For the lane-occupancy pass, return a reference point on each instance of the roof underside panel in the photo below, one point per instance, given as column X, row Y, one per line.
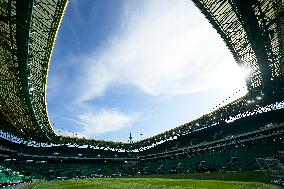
column 228, row 18
column 28, row 32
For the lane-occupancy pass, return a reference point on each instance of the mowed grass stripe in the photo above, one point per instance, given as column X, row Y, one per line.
column 149, row 183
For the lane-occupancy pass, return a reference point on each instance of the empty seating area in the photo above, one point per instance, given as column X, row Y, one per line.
column 228, row 159
column 227, row 155
column 222, row 147
column 9, row 177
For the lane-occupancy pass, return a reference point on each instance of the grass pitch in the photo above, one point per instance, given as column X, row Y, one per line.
column 183, row 181
column 150, row 183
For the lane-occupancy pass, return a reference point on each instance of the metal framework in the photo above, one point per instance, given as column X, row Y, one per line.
column 253, row 30
column 28, row 32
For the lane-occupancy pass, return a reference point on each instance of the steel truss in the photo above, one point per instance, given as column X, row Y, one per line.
column 28, row 33
column 253, row 31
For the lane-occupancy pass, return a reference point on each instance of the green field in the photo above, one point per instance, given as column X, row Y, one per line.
column 231, row 180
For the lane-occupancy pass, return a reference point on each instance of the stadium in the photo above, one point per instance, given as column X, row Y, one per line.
column 239, row 145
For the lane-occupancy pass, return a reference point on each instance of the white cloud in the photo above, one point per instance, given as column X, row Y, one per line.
column 94, row 123
column 165, row 48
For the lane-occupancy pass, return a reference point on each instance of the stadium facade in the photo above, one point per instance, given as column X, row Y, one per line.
column 228, row 138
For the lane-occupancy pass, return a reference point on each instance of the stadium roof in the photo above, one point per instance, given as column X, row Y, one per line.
column 253, row 31
column 28, row 33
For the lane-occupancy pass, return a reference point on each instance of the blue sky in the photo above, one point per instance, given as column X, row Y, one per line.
column 137, row 66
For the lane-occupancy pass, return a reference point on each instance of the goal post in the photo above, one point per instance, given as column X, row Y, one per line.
column 270, row 165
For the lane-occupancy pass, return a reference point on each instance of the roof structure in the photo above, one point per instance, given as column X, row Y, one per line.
column 253, row 31
column 28, row 32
